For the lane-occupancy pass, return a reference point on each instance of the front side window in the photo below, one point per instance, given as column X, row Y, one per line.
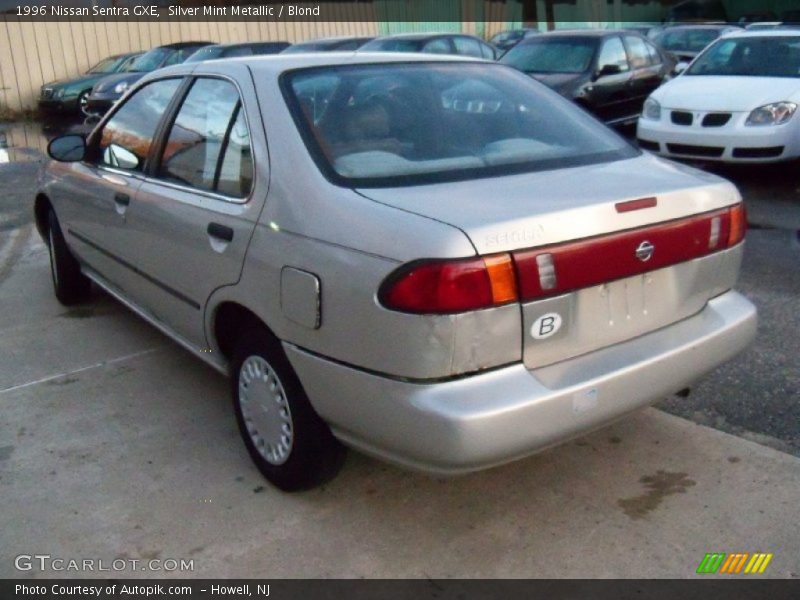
column 396, row 124
column 750, row 56
column 613, row 54
column 552, row 55
column 127, row 137
column 208, row 146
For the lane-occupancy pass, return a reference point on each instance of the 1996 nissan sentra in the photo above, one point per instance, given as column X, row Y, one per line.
column 437, row 261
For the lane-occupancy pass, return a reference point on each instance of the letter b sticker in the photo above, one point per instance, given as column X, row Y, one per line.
column 546, row 325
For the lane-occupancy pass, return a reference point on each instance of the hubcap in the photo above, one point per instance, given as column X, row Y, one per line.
column 265, row 410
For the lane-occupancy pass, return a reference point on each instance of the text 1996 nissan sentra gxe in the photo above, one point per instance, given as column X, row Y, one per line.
column 437, row 261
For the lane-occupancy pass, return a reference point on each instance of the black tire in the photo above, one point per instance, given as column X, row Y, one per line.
column 312, row 455
column 70, row 285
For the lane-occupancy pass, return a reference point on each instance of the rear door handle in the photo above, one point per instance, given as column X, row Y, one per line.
column 221, row 232
column 122, row 199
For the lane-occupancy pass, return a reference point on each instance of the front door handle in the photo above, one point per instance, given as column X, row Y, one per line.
column 122, row 199
column 221, row 232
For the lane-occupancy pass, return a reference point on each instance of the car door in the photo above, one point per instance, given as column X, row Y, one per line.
column 609, row 97
column 98, row 192
column 645, row 73
column 198, row 206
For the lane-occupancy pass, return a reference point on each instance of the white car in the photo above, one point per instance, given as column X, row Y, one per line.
column 735, row 103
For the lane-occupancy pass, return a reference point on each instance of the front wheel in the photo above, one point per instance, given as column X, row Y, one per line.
column 289, row 443
column 70, row 285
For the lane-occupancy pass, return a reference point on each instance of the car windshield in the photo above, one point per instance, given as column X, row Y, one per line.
column 554, row 55
column 207, row 53
column 107, row 65
column 507, row 36
column 751, row 56
column 149, row 61
column 395, row 124
column 687, row 40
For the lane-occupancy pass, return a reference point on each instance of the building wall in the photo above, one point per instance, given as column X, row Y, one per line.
column 34, row 54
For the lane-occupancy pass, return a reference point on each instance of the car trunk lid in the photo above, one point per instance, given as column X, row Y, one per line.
column 596, row 223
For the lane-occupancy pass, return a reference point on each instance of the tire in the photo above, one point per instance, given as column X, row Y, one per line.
column 83, row 103
column 70, row 285
column 287, row 440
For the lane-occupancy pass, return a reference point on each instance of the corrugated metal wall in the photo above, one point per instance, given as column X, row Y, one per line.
column 33, row 54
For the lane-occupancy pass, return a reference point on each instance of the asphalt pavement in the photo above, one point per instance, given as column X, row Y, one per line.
column 116, row 443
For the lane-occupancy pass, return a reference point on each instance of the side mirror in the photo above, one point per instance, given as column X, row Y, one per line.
column 680, row 67
column 116, row 156
column 67, row 148
column 608, row 70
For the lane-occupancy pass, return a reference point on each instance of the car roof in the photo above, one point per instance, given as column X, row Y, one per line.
column 422, row 35
column 278, row 63
column 589, row 32
column 787, row 32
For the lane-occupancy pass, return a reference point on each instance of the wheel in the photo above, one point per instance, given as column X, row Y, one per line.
column 287, row 440
column 70, row 285
column 83, row 103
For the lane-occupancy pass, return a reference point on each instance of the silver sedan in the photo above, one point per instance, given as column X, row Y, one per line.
column 435, row 260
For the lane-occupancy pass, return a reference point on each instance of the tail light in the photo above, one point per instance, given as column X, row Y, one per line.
column 450, row 286
column 459, row 285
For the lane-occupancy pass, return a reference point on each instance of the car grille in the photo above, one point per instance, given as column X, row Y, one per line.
column 47, row 93
column 648, row 145
column 716, row 119
column 681, row 117
column 768, row 152
column 713, row 151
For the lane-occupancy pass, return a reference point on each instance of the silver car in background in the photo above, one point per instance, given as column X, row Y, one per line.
column 435, row 260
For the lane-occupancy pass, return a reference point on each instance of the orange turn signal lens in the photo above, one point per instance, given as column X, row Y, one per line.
column 738, row 224
column 500, row 269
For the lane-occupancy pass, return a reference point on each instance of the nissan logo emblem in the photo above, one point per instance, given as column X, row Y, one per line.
column 644, row 251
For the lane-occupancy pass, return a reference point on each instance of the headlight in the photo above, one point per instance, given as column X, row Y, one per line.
column 651, row 110
column 772, row 114
column 121, row 87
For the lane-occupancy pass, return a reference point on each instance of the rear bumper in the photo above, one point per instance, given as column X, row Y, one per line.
column 497, row 416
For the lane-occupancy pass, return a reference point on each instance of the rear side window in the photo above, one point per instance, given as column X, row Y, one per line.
column 127, row 137
column 467, row 47
column 655, row 55
column 208, row 147
column 613, row 53
column 637, row 52
column 437, row 46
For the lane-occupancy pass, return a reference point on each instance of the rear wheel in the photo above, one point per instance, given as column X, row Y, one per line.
column 70, row 285
column 289, row 443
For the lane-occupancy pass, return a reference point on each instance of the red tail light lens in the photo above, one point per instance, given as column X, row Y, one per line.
column 451, row 286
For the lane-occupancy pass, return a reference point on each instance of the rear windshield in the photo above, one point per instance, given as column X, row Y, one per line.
column 553, row 55
column 401, row 124
column 687, row 40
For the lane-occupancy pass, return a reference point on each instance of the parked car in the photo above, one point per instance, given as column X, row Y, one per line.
column 505, row 40
column 608, row 72
column 447, row 265
column 71, row 95
column 433, row 43
column 110, row 89
column 735, row 103
column 687, row 41
column 234, row 50
column 329, row 44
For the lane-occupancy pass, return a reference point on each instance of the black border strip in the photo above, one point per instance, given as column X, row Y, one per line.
column 150, row 278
